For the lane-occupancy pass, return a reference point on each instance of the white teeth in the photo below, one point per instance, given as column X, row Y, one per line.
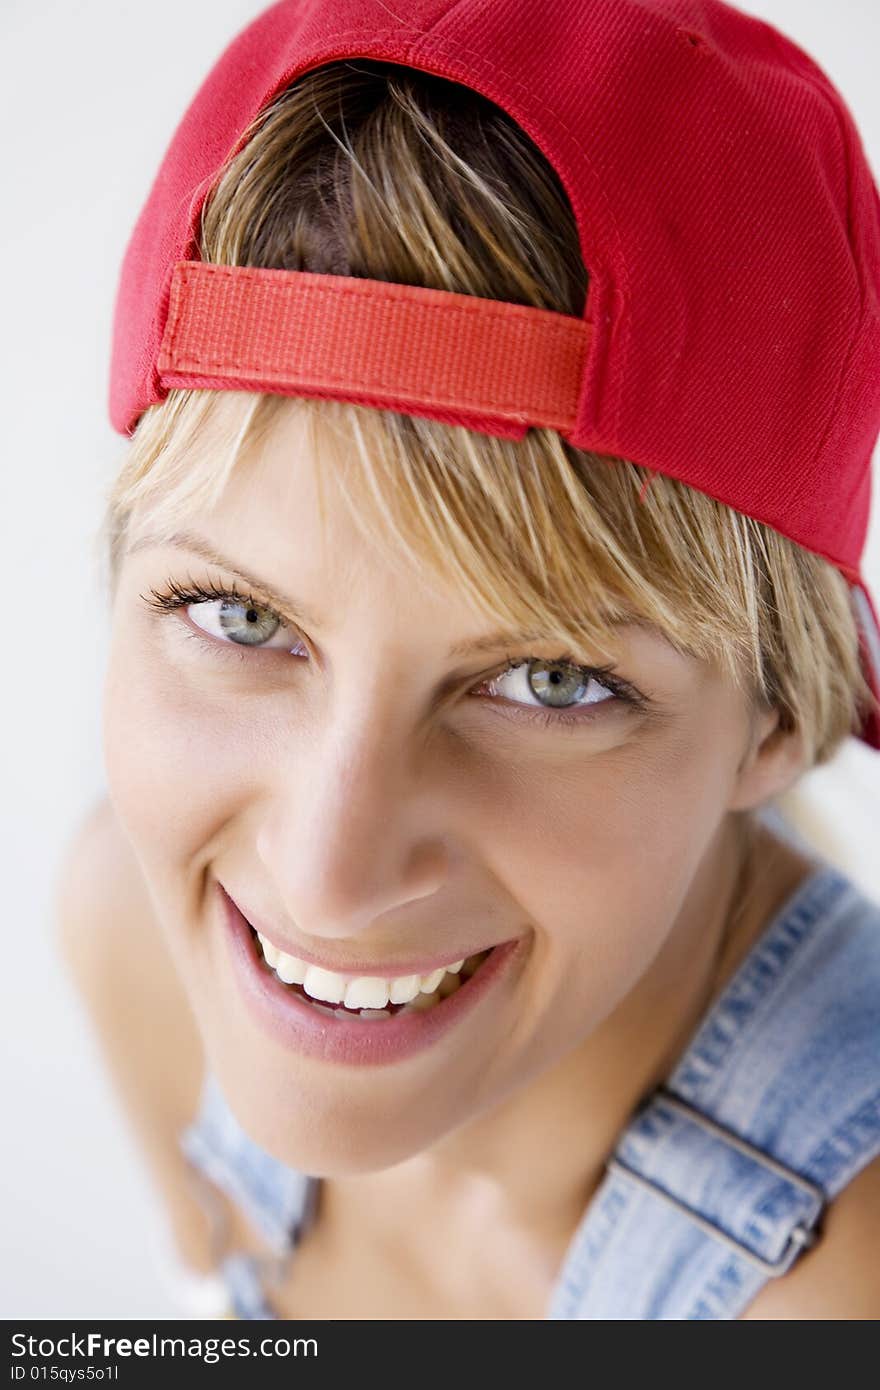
column 404, row 989
column 288, row 968
column 324, row 984
column 368, row 994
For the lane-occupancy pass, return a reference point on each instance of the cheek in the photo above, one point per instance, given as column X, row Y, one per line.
column 601, row 857
column 174, row 763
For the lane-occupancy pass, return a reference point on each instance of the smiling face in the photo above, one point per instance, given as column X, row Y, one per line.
column 373, row 796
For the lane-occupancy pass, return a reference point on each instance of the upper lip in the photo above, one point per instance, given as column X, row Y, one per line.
column 382, row 969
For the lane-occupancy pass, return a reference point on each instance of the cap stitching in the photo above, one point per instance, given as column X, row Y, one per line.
column 487, row 308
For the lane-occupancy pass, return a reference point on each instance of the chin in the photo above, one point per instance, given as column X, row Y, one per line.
column 294, row 1119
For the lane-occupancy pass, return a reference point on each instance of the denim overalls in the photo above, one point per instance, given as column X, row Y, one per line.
column 719, row 1179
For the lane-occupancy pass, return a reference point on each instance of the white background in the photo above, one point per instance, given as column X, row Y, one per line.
column 89, row 97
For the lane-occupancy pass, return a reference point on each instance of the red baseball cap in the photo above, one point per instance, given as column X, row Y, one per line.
column 728, row 218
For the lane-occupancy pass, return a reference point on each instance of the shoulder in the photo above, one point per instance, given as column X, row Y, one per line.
column 100, row 897
column 834, row 1039
column 95, row 844
column 110, row 940
column 839, row 1277
column 107, row 936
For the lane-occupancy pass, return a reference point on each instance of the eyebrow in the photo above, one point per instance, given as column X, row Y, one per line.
column 290, row 608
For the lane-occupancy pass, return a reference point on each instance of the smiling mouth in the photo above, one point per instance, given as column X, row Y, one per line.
column 422, row 1000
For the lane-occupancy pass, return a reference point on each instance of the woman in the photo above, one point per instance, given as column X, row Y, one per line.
column 439, row 752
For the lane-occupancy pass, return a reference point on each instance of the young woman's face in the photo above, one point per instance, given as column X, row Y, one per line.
column 327, row 764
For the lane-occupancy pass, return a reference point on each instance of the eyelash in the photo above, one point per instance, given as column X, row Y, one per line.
column 178, row 596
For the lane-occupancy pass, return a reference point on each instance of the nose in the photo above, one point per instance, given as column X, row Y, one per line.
column 352, row 835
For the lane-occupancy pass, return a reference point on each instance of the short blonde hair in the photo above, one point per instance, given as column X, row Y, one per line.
column 378, row 170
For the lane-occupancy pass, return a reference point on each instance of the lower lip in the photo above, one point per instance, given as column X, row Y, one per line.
column 290, row 1020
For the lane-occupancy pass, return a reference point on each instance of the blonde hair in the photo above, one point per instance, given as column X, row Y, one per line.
column 376, row 170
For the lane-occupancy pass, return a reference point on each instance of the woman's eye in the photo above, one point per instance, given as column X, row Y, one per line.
column 226, row 616
column 562, row 689
column 245, row 624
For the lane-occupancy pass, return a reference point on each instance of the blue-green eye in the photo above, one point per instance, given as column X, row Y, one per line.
column 231, row 618
column 563, row 690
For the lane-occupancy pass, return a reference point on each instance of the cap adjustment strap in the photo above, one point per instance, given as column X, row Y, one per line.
column 351, row 338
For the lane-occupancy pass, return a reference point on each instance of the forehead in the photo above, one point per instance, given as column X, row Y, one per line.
column 286, row 525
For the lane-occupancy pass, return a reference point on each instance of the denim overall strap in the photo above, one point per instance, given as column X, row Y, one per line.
column 278, row 1201
column 245, row 1280
column 721, row 1177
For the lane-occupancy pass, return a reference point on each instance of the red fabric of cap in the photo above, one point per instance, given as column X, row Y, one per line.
column 728, row 218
